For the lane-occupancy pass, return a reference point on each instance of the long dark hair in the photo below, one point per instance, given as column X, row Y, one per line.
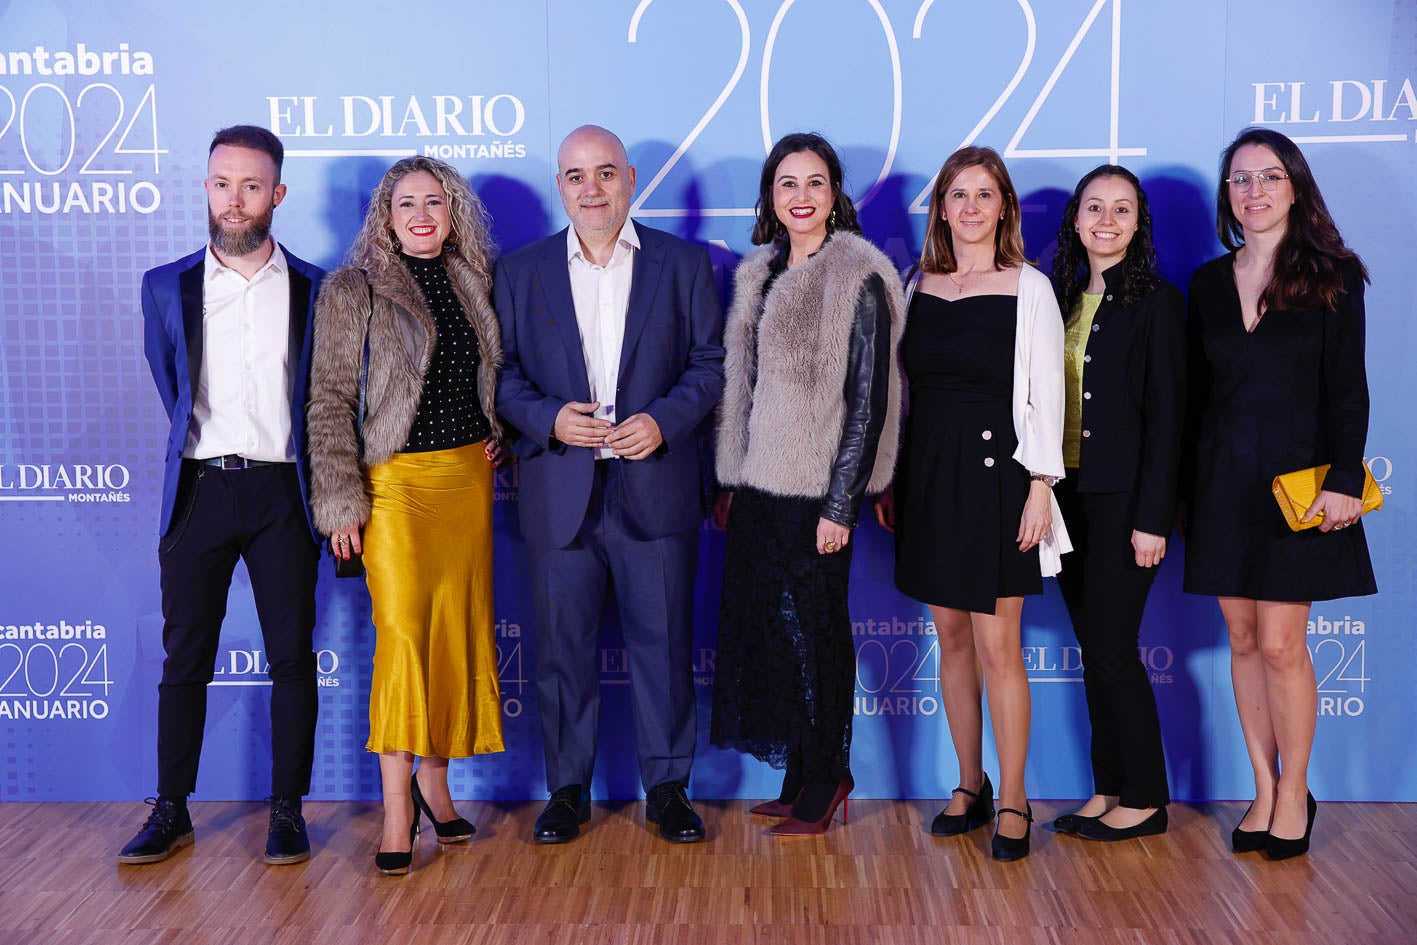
column 1071, row 272
column 767, row 227
column 1308, row 266
column 938, row 254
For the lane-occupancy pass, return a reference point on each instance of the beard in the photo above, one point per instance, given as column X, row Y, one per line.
column 242, row 242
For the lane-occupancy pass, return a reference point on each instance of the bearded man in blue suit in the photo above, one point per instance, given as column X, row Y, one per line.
column 227, row 332
column 613, row 358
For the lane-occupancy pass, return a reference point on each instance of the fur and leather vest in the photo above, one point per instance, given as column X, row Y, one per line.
column 401, row 341
column 780, row 421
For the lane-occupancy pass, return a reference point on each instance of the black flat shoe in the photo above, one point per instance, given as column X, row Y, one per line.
column 1248, row 841
column 1008, row 849
column 979, row 812
column 561, row 819
column 449, row 831
column 1068, row 823
column 1093, row 828
column 668, row 806
column 168, row 829
column 1279, row 848
column 286, row 839
column 398, row 864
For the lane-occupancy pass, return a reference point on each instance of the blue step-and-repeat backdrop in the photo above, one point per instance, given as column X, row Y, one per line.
column 106, row 110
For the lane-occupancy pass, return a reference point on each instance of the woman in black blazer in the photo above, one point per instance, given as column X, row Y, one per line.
column 1125, row 364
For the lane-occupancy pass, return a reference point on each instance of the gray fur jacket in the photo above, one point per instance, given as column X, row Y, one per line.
column 401, row 342
column 812, row 392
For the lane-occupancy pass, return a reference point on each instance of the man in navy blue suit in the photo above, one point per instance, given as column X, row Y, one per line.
column 611, row 334
column 227, row 332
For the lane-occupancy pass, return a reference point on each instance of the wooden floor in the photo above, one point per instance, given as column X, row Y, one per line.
column 882, row 879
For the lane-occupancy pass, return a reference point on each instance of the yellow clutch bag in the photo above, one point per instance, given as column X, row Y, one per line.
column 1295, row 492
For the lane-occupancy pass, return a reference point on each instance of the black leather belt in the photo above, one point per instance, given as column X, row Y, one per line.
column 233, row 461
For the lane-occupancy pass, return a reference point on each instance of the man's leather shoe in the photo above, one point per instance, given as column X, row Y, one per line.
column 561, row 819
column 668, row 805
column 286, row 840
column 169, row 828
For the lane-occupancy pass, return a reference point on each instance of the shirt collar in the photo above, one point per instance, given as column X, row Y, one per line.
column 277, row 264
column 629, row 236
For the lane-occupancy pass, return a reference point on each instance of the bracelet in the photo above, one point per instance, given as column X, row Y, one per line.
column 1049, row 481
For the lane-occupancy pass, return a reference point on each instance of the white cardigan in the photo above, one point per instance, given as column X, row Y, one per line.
column 1038, row 396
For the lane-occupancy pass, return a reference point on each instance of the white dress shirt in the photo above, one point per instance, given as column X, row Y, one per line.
column 241, row 396
column 602, row 297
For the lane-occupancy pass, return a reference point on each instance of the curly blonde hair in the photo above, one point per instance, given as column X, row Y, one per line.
column 471, row 237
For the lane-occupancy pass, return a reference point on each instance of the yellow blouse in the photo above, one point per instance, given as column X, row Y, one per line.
column 1074, row 353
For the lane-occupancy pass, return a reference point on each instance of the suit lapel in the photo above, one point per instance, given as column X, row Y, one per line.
column 649, row 263
column 561, row 305
column 299, row 317
column 190, row 284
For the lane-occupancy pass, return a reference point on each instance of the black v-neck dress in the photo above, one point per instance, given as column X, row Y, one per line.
column 1291, row 394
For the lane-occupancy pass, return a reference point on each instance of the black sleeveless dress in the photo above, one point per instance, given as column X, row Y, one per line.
column 959, row 494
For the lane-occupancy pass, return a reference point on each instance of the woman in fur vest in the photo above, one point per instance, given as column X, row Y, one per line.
column 403, row 439
column 808, row 424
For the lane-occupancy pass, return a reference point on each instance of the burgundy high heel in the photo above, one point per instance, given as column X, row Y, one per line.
column 774, row 808
column 793, row 827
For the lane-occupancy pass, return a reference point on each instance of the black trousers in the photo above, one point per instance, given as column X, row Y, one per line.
column 1105, row 591
column 220, row 516
column 653, row 584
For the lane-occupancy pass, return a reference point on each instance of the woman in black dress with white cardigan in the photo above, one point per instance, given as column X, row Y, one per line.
column 1277, row 384
column 977, row 525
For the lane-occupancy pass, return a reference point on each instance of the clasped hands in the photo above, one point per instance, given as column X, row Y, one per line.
column 633, row 438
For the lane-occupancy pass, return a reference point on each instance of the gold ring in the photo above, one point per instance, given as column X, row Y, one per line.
column 831, row 545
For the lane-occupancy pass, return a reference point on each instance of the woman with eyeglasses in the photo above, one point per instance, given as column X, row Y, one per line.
column 1277, row 384
column 1125, row 354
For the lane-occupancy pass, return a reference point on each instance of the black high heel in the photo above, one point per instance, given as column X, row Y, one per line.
column 1248, row 841
column 449, row 831
column 979, row 812
column 1280, row 848
column 398, row 864
column 1008, row 849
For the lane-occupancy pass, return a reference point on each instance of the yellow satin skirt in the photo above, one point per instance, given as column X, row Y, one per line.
column 428, row 559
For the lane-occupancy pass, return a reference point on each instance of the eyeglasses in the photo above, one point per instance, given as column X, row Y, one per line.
column 1268, row 179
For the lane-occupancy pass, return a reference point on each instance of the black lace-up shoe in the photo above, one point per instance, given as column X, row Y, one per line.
column 286, row 841
column 169, row 828
column 668, row 805
column 560, row 821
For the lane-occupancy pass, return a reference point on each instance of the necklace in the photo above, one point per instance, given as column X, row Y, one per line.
column 960, row 283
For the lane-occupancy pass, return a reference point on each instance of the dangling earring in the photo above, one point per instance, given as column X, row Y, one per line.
column 831, row 219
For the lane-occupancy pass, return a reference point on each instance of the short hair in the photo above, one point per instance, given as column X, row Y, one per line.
column 1071, row 271
column 767, row 227
column 471, row 234
column 938, row 254
column 1307, row 268
column 253, row 137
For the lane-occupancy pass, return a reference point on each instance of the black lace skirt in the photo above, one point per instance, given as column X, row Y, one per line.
column 786, row 670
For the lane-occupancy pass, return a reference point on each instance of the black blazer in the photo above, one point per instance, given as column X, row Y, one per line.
column 1134, row 401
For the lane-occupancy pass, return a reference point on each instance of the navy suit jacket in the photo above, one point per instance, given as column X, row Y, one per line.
column 671, row 367
column 172, row 340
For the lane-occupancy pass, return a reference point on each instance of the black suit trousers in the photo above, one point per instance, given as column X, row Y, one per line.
column 221, row 516
column 1105, row 591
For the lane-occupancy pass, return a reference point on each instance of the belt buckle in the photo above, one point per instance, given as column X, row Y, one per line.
column 232, row 461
